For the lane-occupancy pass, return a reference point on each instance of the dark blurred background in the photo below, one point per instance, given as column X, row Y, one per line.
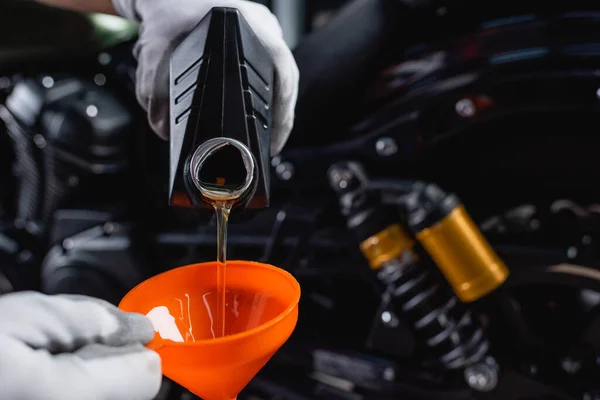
column 27, row 27
column 495, row 102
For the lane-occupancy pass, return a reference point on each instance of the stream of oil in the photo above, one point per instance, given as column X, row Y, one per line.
column 220, row 178
column 222, row 210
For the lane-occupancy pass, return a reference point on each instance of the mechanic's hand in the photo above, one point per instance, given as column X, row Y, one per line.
column 164, row 23
column 74, row 348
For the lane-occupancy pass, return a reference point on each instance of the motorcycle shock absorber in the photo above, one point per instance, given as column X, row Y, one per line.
column 440, row 321
column 443, row 227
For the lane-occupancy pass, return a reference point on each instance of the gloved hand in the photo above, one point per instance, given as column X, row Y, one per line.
column 164, row 23
column 74, row 348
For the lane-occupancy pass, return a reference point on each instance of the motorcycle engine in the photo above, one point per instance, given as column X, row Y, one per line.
column 73, row 146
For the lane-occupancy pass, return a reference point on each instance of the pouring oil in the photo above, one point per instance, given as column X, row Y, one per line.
column 223, row 177
column 222, row 210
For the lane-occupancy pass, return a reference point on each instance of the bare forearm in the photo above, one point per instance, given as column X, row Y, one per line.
column 99, row 6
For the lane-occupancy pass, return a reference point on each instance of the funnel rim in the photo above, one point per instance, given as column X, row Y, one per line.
column 236, row 336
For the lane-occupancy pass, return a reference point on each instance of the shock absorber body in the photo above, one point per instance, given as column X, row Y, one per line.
column 440, row 321
column 443, row 227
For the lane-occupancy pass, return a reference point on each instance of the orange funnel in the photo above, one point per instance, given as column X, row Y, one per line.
column 260, row 315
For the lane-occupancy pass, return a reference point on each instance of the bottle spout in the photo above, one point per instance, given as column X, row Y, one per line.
column 222, row 169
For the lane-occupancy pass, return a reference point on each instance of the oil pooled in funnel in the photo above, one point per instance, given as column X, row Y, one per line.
column 192, row 317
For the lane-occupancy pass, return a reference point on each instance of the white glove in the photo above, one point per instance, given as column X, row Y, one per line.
column 164, row 23
column 74, row 348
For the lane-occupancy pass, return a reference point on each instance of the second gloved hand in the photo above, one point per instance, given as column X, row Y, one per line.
column 74, row 348
column 164, row 23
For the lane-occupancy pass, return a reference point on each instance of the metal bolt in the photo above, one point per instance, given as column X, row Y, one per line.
column 47, row 82
column 100, row 79
column 39, row 141
column 386, row 316
column 275, row 161
column 465, row 108
column 109, row 228
column 389, row 320
column 389, row 374
column 73, row 180
column 570, row 366
column 91, row 111
column 285, row 171
column 481, row 377
column 339, row 177
column 104, row 58
column 68, row 244
column 386, row 147
column 281, row 215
